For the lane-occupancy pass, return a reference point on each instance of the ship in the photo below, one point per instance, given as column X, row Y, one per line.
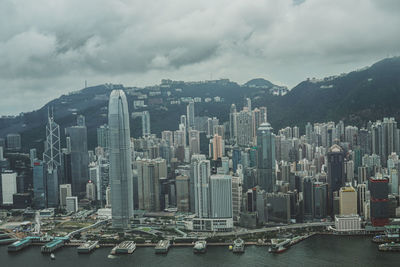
column 200, row 246
column 391, row 234
column 279, row 245
column 238, row 246
column 87, row 247
column 126, row 247
column 389, row 247
column 162, row 247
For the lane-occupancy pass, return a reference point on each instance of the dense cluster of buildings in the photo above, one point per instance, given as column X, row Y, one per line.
column 246, row 174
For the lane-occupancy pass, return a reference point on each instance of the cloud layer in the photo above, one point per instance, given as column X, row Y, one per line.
column 50, row 47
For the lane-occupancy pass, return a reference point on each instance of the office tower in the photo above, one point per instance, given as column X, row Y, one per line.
column 150, row 171
column 108, row 197
column 232, row 123
column 103, row 136
column 168, row 137
column 266, row 157
column 296, row 132
column 72, row 204
column 243, row 125
column 221, row 196
column 3, row 143
column 212, row 123
column 8, row 187
column 220, row 130
column 394, row 180
column 309, row 133
column 13, row 142
column 361, row 198
column 379, row 189
column 201, row 180
column 217, row 147
column 32, row 155
column 183, row 121
column 79, row 159
column 194, row 161
column 194, row 142
column 264, row 115
column 120, row 160
column 349, row 170
column 347, row 201
column 52, row 158
column 179, row 138
column 39, row 184
column 336, row 178
column 146, row 123
column 320, row 194
column 182, row 193
column 389, row 140
column 65, row 191
column 190, row 115
column 364, row 137
column 236, row 158
column 237, row 189
column 308, row 198
column 256, row 121
column 90, row 191
column 80, row 120
column 351, row 135
column 279, row 207
column 248, row 104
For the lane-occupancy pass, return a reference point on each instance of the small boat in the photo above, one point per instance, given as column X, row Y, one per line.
column 279, row 245
column 230, row 247
column 52, row 256
column 238, row 246
column 200, row 246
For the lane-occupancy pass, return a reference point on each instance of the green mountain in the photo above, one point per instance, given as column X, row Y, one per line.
column 357, row 97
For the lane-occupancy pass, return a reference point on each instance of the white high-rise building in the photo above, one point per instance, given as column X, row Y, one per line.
column 72, row 204
column 8, row 186
column 221, row 196
column 201, row 177
column 65, row 191
column 190, row 115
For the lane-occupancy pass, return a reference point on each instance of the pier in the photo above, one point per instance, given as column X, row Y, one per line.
column 55, row 244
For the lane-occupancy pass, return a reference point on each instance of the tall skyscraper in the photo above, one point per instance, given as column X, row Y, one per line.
column 120, row 160
column 336, row 177
column 266, row 157
column 145, row 123
column 221, row 196
column 190, row 114
column 194, row 142
column 150, row 171
column 217, row 147
column 79, row 159
column 201, row 180
column 8, row 187
column 65, row 191
column 39, row 184
column 243, row 126
column 52, row 158
column 232, row 123
column 102, row 136
column 182, row 193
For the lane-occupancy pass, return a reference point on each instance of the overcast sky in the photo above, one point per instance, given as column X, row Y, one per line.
column 50, row 47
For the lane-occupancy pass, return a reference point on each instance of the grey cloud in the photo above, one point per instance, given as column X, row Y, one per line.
column 50, row 47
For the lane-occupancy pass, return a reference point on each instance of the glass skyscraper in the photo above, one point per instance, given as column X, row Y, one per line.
column 120, row 160
column 266, row 157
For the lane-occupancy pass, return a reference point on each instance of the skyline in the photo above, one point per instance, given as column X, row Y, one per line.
column 47, row 53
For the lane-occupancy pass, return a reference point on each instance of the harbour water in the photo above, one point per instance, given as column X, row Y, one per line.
column 315, row 251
